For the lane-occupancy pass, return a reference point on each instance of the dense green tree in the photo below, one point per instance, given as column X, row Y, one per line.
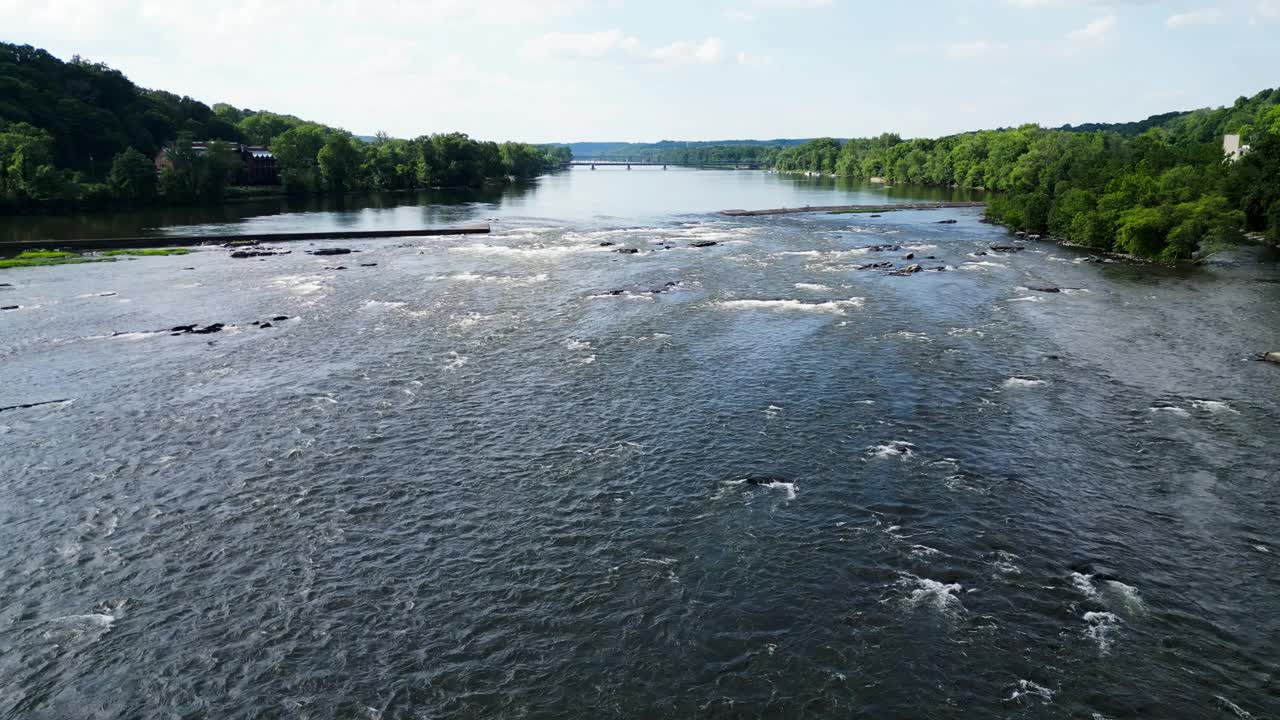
column 132, row 177
column 339, row 162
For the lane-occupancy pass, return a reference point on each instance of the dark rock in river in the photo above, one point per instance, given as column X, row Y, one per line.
column 627, row 251
column 703, row 243
column 874, row 266
column 280, row 318
column 340, row 267
column 875, row 216
column 1046, row 289
column 368, row 264
column 329, row 251
column 195, row 329
column 10, row 307
column 1271, row 357
column 980, row 253
column 606, row 243
column 946, row 222
column 881, row 248
column 257, row 253
column 908, row 270
column 1033, row 237
column 909, row 256
column 265, row 325
column 1008, row 248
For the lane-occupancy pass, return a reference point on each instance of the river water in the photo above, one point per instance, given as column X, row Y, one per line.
column 498, row 477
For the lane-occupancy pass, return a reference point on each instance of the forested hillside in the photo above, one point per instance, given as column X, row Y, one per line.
column 79, row 133
column 1157, row 190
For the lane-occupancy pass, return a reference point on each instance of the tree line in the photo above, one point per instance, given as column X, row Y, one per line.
column 79, row 134
column 1160, row 188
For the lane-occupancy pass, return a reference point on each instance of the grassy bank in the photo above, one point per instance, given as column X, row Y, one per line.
column 41, row 258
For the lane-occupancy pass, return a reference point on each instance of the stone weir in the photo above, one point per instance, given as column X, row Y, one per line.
column 853, row 208
column 10, row 248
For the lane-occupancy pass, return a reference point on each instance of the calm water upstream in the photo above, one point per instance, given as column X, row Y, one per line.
column 498, row 477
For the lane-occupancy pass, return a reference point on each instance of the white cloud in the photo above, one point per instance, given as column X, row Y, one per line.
column 1095, row 33
column 738, row 15
column 1207, row 16
column 1269, row 8
column 707, row 52
column 584, row 45
column 617, row 44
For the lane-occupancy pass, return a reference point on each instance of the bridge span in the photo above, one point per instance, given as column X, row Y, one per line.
column 628, row 162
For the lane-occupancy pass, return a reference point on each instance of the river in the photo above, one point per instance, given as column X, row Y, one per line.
column 502, row 477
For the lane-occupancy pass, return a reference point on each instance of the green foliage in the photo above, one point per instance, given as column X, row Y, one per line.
column 132, row 177
column 80, row 134
column 149, row 252
column 38, row 258
column 1156, row 189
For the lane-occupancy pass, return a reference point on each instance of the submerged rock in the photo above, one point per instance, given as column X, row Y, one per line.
column 947, row 222
column 908, row 270
column 703, row 243
column 257, row 253
column 881, row 248
column 909, row 256
column 626, row 251
column 1046, row 289
column 874, row 266
column 330, row 251
column 1008, row 248
column 10, row 307
column 606, row 243
column 280, row 318
column 875, row 216
column 980, row 253
column 368, row 264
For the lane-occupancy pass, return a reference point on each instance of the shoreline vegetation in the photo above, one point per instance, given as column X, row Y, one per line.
column 1158, row 189
column 80, row 136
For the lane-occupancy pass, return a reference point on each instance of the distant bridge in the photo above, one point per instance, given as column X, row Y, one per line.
column 627, row 162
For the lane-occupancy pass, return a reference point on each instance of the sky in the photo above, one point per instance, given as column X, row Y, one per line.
column 649, row 70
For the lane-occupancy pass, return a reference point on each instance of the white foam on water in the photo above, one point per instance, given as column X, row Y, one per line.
column 1026, row 688
column 1171, row 409
column 932, row 594
column 455, row 360
column 1101, row 627
column 797, row 253
column 573, row 344
column 587, row 360
column 966, row 332
column 133, row 336
column 472, row 277
column 836, row 307
column 1075, row 291
column 981, row 265
column 908, row 335
column 1005, row 563
column 300, row 284
column 789, row 488
column 1020, row 382
column 919, row 248
column 1030, row 298
column 1214, row 406
column 78, row 628
column 1234, row 708
column 469, row 320
column 812, row 287
column 383, row 304
column 900, row 449
column 924, row 551
column 1262, row 548
column 1084, row 584
column 532, row 251
column 1123, row 597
